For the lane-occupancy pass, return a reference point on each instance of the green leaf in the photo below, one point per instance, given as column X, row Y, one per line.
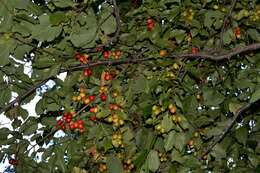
column 58, row 17
column 234, row 107
column 43, row 33
column 114, row 165
column 153, row 161
column 109, row 26
column 241, row 135
column 63, row 3
column 180, row 140
column 167, row 123
column 255, row 96
column 212, row 97
column 169, row 141
column 228, row 36
column 254, row 34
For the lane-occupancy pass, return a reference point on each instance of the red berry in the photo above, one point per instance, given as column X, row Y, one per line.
column 106, row 54
column 59, row 122
column 91, row 98
column 80, row 122
column 13, row 162
column 93, row 118
column 103, row 97
column 149, row 21
column 87, row 72
column 194, row 50
column 77, row 55
column 81, row 126
column 72, row 126
column 63, row 127
column 92, row 110
column 99, row 49
column 68, row 120
column 76, row 125
column 107, row 76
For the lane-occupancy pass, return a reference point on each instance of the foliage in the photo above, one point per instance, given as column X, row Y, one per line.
column 151, row 86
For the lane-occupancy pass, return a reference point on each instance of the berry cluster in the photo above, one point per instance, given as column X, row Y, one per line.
column 82, row 58
column 117, row 140
column 66, row 122
column 128, row 165
column 102, row 167
column 115, row 54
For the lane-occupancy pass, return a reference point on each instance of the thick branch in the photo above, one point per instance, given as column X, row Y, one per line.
column 228, row 128
column 134, row 60
column 25, row 95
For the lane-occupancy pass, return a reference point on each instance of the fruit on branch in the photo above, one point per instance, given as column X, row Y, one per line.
column 237, row 32
column 163, row 53
column 117, row 140
column 128, row 165
column 83, row 58
column 87, row 72
column 103, row 97
column 106, row 54
column 194, row 50
column 107, row 76
column 116, row 54
column 150, row 24
column 91, row 97
column 156, row 110
column 13, row 162
column 93, row 110
column 102, row 167
column 172, row 108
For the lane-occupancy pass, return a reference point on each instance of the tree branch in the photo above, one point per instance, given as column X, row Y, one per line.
column 229, row 127
column 134, row 60
column 226, row 22
column 22, row 97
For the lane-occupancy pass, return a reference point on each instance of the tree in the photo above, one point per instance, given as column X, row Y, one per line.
column 151, row 86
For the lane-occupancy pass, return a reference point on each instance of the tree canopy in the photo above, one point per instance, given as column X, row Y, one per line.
column 159, row 86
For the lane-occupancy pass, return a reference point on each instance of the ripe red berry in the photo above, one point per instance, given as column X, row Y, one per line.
column 91, row 98
column 87, row 72
column 194, row 50
column 81, row 126
column 92, row 110
column 237, row 32
column 107, row 76
column 72, row 126
column 76, row 125
column 80, row 121
column 68, row 120
column 149, row 21
column 93, row 118
column 106, row 54
column 59, row 122
column 13, row 162
column 103, row 97
column 77, row 55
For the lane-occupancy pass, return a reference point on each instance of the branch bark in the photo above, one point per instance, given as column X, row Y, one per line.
column 229, row 127
column 134, row 60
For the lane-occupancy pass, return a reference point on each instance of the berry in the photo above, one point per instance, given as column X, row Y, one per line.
column 194, row 50
column 91, row 98
column 103, row 97
column 93, row 118
column 13, row 162
column 107, row 76
column 150, row 24
column 87, row 72
column 163, row 53
column 237, row 32
column 106, row 54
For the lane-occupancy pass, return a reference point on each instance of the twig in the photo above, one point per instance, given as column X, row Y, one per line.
column 26, row 94
column 134, row 60
column 229, row 127
column 226, row 22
